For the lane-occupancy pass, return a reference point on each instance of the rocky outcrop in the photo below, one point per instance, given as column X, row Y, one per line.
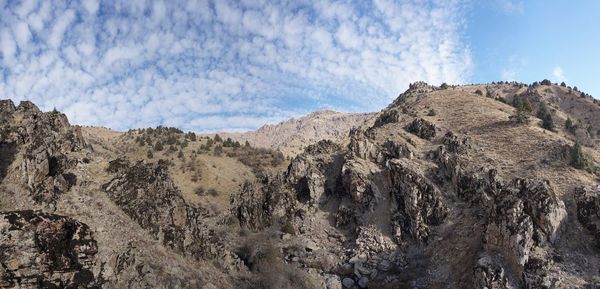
column 312, row 175
column 40, row 250
column 588, row 210
column 489, row 274
column 418, row 202
column 147, row 194
column 421, row 128
column 46, row 140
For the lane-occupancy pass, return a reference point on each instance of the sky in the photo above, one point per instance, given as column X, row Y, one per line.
column 214, row 65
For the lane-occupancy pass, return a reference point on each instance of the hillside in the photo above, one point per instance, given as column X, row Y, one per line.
column 294, row 135
column 475, row 186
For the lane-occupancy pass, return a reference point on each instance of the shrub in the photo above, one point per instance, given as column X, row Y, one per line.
column 548, row 122
column 149, row 154
column 431, row 112
column 218, row 150
column 200, row 191
column 546, row 82
column 158, row 146
column 579, row 160
column 563, row 84
column 444, row 86
column 213, row 192
column 479, row 92
column 180, row 154
column 569, row 126
column 218, row 138
column 546, row 117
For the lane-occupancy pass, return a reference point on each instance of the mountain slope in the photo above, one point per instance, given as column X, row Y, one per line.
column 293, row 135
column 454, row 187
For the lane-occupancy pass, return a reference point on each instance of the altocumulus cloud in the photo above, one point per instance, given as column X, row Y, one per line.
column 212, row 65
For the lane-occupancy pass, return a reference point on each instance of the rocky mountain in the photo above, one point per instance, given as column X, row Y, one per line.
column 294, row 135
column 475, row 186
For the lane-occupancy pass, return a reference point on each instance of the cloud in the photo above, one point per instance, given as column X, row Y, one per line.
column 511, row 6
column 211, row 65
column 559, row 74
column 513, row 69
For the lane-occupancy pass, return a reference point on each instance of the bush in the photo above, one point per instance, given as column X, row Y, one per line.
column 218, row 150
column 218, row 138
column 149, row 154
column 479, row 92
column 158, row 146
column 213, row 192
column 569, row 126
column 546, row 82
column 563, row 84
column 546, row 117
column 444, row 86
column 431, row 112
column 579, row 160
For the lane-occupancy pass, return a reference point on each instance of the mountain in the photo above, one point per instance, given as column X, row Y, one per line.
column 294, row 135
column 475, row 186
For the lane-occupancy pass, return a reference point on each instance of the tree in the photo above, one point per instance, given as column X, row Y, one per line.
column 563, row 84
column 218, row 138
column 546, row 82
column 180, row 154
column 247, row 144
column 444, row 86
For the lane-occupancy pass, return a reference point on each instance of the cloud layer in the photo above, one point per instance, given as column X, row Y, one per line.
column 203, row 65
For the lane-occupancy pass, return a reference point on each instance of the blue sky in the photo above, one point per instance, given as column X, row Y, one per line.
column 208, row 65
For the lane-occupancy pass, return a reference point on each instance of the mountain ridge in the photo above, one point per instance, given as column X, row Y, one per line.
column 474, row 169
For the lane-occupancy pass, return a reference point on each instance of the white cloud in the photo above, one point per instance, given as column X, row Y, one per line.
column 210, row 65
column 559, row 74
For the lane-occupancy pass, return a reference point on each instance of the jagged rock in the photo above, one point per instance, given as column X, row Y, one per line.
column 510, row 228
column 356, row 183
column 46, row 140
column 421, row 128
column 418, row 203
column 147, row 194
column 489, row 274
column 541, row 203
column 522, row 214
column 386, row 117
column 588, row 210
column 535, row 275
column 456, row 145
column 40, row 250
column 310, row 173
column 361, row 146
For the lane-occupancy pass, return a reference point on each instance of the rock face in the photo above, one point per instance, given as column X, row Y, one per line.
column 588, row 210
column 419, row 204
column 148, row 195
column 421, row 128
column 45, row 139
column 40, row 250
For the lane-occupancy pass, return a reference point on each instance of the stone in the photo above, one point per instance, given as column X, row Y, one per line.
column 363, row 282
column 348, row 282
